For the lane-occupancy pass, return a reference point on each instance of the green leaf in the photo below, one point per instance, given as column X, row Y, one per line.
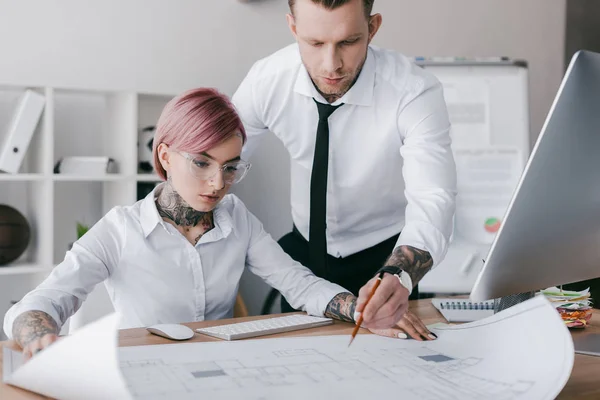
column 81, row 230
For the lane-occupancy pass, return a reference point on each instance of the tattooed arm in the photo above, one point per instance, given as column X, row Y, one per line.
column 411, row 260
column 342, row 307
column 34, row 330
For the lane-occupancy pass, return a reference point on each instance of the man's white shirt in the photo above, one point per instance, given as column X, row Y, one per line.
column 391, row 167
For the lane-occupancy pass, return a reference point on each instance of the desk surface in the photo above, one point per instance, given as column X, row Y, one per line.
column 583, row 383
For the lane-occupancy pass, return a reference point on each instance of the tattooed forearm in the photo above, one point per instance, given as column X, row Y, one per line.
column 342, row 307
column 412, row 260
column 172, row 206
column 33, row 325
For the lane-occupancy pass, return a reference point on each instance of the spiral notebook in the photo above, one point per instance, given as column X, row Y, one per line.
column 459, row 310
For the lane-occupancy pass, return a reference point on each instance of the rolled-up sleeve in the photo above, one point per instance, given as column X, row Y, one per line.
column 301, row 288
column 429, row 172
column 91, row 260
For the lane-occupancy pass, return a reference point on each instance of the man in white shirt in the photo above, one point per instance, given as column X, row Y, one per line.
column 376, row 184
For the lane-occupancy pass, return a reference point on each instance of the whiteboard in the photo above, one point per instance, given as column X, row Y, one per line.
column 488, row 108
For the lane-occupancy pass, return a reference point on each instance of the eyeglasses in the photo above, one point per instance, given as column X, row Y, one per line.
column 205, row 169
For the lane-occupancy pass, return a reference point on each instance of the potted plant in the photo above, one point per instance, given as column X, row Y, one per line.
column 81, row 230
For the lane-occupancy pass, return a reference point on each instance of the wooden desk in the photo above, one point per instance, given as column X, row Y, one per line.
column 583, row 384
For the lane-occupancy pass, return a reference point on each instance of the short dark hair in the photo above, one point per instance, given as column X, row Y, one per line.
column 333, row 4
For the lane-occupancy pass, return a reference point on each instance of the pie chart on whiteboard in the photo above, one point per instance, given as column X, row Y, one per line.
column 492, row 225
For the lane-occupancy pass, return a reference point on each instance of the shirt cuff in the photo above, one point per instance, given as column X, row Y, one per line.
column 321, row 297
column 21, row 308
column 424, row 236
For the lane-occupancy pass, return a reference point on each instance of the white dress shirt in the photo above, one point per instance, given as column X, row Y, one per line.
column 153, row 274
column 391, row 167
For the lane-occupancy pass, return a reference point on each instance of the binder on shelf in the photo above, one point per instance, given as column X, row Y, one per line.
column 86, row 166
column 20, row 130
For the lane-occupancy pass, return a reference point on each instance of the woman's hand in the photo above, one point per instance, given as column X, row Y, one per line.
column 38, row 344
column 409, row 326
column 33, row 331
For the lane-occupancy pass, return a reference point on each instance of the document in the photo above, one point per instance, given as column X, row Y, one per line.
column 524, row 352
column 468, row 103
column 81, row 366
column 487, row 179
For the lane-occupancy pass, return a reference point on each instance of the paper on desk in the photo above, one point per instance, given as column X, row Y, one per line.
column 524, row 352
column 83, row 365
column 568, row 298
column 486, row 180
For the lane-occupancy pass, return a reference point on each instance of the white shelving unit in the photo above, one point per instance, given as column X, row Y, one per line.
column 74, row 123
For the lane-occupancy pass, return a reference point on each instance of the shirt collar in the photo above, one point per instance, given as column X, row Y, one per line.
column 360, row 94
column 150, row 218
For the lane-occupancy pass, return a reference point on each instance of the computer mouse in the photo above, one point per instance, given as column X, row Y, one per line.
column 171, row 331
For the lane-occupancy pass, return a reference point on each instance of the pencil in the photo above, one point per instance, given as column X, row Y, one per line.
column 360, row 319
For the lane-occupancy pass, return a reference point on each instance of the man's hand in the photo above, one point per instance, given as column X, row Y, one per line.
column 343, row 306
column 409, row 325
column 390, row 301
column 386, row 307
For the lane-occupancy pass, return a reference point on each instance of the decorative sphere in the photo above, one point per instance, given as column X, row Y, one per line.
column 14, row 234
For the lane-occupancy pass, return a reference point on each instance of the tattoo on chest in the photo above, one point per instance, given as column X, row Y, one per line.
column 414, row 261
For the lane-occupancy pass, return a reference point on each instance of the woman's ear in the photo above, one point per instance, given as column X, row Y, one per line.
column 164, row 157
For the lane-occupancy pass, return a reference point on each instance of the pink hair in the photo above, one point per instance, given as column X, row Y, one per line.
column 194, row 122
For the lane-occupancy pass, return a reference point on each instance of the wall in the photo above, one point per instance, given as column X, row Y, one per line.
column 582, row 30
column 165, row 47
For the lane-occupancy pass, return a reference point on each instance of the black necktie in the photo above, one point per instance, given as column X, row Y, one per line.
column 317, row 242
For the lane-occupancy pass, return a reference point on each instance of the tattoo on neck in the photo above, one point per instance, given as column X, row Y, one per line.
column 342, row 307
column 32, row 325
column 414, row 261
column 172, row 206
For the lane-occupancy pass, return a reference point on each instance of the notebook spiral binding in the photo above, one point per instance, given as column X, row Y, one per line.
column 466, row 305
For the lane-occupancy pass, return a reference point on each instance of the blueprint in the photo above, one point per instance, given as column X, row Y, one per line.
column 83, row 365
column 500, row 357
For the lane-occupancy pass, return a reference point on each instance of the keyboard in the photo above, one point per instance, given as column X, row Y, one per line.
column 261, row 327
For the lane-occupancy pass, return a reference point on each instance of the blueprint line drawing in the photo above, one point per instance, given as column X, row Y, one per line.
column 422, row 371
column 498, row 358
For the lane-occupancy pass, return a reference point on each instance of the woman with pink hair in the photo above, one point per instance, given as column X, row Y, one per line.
column 178, row 255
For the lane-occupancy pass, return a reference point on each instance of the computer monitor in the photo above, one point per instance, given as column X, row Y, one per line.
column 550, row 234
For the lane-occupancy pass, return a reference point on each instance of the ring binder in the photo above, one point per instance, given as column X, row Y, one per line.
column 459, row 310
column 461, row 305
column 20, row 130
